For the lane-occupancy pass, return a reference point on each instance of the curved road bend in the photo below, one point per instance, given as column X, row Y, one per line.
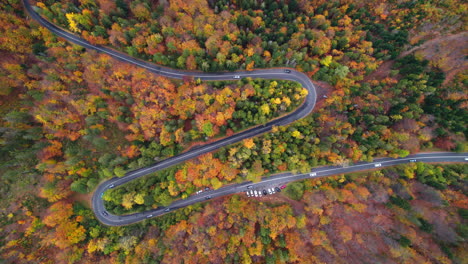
column 266, row 182
column 300, row 112
column 303, row 110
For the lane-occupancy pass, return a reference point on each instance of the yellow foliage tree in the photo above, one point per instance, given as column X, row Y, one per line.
column 127, row 200
column 326, row 61
column 71, row 17
column 249, row 143
column 250, row 66
column 297, row 134
column 139, row 199
column 265, row 109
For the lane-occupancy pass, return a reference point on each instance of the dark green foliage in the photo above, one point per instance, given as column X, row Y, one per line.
column 404, row 241
column 446, row 250
column 400, row 202
column 425, row 225
column 438, row 178
column 436, row 78
column 448, row 112
column 122, row 7
column 463, row 213
column 462, row 230
column 18, row 152
column 295, row 190
column 410, row 65
column 39, row 48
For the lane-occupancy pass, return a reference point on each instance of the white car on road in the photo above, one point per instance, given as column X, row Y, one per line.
column 378, row 165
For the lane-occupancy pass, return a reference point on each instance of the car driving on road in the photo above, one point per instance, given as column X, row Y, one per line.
column 236, row 77
column 378, row 165
column 287, row 71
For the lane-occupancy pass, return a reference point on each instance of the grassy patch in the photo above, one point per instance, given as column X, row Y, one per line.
column 295, row 190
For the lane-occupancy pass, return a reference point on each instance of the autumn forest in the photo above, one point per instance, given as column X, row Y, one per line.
column 391, row 79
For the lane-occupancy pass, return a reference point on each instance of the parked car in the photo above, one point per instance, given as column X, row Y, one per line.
column 256, row 193
column 277, row 189
column 247, row 193
column 265, row 192
column 207, row 188
column 283, row 186
column 270, row 191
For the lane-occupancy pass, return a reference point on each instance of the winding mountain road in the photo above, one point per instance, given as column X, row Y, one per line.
column 302, row 111
column 266, row 182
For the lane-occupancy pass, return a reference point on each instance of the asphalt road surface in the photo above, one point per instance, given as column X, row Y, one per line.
column 281, row 74
column 266, row 182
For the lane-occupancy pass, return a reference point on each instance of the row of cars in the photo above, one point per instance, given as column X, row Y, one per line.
column 258, row 193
